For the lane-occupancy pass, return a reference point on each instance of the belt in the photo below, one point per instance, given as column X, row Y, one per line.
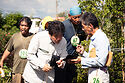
column 105, row 68
column 100, row 67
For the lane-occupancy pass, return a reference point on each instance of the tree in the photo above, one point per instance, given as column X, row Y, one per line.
column 63, row 14
column 1, row 19
column 110, row 14
column 7, row 29
column 12, row 22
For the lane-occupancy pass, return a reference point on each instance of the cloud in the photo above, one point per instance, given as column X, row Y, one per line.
column 66, row 5
column 37, row 8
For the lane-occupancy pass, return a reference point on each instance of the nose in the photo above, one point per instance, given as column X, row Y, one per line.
column 23, row 27
column 57, row 40
column 77, row 19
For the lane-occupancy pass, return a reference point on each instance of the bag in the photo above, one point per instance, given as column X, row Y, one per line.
column 53, row 60
column 73, row 56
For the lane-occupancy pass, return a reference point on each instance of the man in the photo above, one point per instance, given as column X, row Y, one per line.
column 42, row 46
column 72, row 28
column 99, row 48
column 18, row 43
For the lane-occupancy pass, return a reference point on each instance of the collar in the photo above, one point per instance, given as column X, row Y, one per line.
column 52, row 42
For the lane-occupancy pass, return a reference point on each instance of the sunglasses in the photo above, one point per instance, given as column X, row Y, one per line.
column 75, row 17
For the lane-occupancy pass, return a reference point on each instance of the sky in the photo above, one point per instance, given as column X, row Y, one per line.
column 36, row 8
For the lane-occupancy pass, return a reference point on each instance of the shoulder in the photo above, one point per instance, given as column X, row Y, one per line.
column 66, row 21
column 41, row 35
column 101, row 34
column 63, row 40
column 62, row 43
column 16, row 35
column 101, row 37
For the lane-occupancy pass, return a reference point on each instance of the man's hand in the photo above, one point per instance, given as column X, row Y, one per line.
column 60, row 63
column 77, row 60
column 5, row 55
column 46, row 68
column 80, row 49
column 1, row 63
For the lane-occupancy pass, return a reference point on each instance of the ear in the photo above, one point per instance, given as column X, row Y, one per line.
column 46, row 25
column 91, row 26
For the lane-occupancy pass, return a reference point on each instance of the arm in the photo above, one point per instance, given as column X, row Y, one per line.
column 9, row 49
column 34, row 61
column 102, row 48
column 34, row 54
column 63, row 48
column 5, row 55
column 80, row 50
column 63, row 54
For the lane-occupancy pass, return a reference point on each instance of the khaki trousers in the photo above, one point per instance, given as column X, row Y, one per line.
column 17, row 78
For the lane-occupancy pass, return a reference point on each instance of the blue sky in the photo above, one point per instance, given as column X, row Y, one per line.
column 36, row 8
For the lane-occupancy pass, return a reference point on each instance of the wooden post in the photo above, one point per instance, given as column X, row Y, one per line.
column 122, row 50
column 56, row 8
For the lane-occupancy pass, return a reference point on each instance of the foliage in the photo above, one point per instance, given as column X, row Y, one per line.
column 82, row 76
column 82, row 73
column 4, row 37
column 115, row 70
column 7, row 78
column 1, row 19
column 63, row 14
column 8, row 26
column 11, row 21
column 110, row 14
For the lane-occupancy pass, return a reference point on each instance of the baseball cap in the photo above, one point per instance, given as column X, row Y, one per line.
column 75, row 10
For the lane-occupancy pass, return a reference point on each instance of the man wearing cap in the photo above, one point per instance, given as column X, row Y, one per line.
column 73, row 29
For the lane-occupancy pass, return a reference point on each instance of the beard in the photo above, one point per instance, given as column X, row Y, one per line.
column 75, row 22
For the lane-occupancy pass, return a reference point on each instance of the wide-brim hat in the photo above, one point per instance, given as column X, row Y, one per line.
column 45, row 20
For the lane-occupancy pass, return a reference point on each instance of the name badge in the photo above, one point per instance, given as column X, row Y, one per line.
column 96, row 79
column 75, row 40
column 23, row 53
